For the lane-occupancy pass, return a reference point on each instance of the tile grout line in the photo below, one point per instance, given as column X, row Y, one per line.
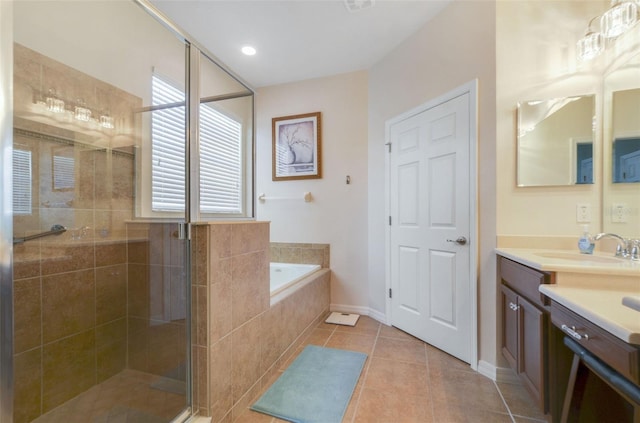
column 364, row 380
column 428, row 362
column 504, row 401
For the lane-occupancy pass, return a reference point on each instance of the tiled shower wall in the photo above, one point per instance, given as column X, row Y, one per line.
column 156, row 300
column 87, row 309
column 239, row 339
column 70, row 299
column 70, row 322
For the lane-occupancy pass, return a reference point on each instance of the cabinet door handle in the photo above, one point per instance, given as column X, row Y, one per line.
column 573, row 333
column 513, row 306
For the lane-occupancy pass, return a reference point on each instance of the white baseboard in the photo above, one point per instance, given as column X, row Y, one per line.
column 497, row 374
column 363, row 311
column 199, row 419
column 487, row 369
column 379, row 316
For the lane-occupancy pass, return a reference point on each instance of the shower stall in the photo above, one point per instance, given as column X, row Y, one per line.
column 118, row 132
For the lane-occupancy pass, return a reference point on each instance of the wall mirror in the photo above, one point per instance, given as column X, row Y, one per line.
column 555, row 141
column 625, row 126
column 621, row 150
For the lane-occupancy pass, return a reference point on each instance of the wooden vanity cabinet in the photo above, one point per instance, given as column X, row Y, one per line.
column 525, row 326
column 587, row 396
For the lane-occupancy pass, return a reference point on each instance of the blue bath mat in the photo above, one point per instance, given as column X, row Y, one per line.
column 316, row 387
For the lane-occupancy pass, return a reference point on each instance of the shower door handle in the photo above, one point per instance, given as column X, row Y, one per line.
column 460, row 241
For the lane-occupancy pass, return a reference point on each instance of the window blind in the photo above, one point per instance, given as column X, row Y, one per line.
column 221, row 155
column 220, row 163
column 167, row 145
column 63, row 173
column 21, row 182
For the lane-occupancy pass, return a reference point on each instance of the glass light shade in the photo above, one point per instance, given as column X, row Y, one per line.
column 53, row 102
column 58, row 106
column 615, row 21
column 106, row 121
column 590, row 46
column 82, row 114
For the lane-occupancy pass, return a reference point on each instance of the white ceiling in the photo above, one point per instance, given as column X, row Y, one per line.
column 298, row 39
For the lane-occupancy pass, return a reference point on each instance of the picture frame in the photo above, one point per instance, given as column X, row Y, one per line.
column 297, row 147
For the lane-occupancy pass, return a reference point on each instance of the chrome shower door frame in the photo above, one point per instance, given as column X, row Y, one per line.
column 6, row 215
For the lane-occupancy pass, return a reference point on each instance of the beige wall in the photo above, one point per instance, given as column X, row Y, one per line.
column 338, row 213
column 535, row 52
column 456, row 47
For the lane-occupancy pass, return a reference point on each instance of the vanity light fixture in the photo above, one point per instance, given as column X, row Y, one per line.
column 54, row 103
column 106, row 121
column 81, row 112
column 78, row 110
column 622, row 15
column 591, row 45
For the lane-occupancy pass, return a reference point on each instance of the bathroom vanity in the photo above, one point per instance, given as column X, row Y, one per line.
column 569, row 334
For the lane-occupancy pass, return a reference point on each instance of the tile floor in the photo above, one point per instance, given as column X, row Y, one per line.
column 407, row 380
column 128, row 397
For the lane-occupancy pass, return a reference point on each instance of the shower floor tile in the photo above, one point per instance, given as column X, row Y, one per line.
column 128, row 397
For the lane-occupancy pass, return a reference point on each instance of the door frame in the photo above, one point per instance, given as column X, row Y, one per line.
column 470, row 88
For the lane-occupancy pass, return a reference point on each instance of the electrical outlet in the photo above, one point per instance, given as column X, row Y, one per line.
column 583, row 213
column 619, row 213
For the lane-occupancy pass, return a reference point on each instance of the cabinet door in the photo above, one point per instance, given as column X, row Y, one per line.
column 530, row 351
column 510, row 326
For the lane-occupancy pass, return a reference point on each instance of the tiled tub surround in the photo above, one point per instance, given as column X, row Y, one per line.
column 86, row 310
column 240, row 341
column 300, row 253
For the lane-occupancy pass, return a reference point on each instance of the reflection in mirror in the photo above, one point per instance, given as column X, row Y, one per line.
column 621, row 148
column 626, row 136
column 555, row 141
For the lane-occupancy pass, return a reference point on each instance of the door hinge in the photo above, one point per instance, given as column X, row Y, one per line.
column 390, row 293
column 389, row 220
column 388, row 144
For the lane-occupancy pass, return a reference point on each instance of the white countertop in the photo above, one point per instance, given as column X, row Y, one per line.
column 602, row 307
column 595, row 289
column 573, row 261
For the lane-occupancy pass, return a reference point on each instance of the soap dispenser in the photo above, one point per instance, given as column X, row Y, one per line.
column 585, row 243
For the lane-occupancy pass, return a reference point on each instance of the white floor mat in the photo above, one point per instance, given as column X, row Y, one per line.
column 346, row 319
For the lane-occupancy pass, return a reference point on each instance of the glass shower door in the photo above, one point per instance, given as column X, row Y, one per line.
column 101, row 305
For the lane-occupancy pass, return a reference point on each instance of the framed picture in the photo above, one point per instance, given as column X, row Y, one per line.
column 296, row 151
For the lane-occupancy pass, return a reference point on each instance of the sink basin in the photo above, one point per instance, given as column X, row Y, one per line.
column 579, row 257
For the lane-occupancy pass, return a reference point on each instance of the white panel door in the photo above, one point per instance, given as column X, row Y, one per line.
column 429, row 194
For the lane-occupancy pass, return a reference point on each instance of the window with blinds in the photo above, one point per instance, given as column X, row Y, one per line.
column 221, row 187
column 21, row 182
column 167, row 147
column 63, row 173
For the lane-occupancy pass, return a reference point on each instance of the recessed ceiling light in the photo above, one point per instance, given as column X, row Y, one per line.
column 248, row 50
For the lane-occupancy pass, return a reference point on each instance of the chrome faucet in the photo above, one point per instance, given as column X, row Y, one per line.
column 635, row 250
column 627, row 248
